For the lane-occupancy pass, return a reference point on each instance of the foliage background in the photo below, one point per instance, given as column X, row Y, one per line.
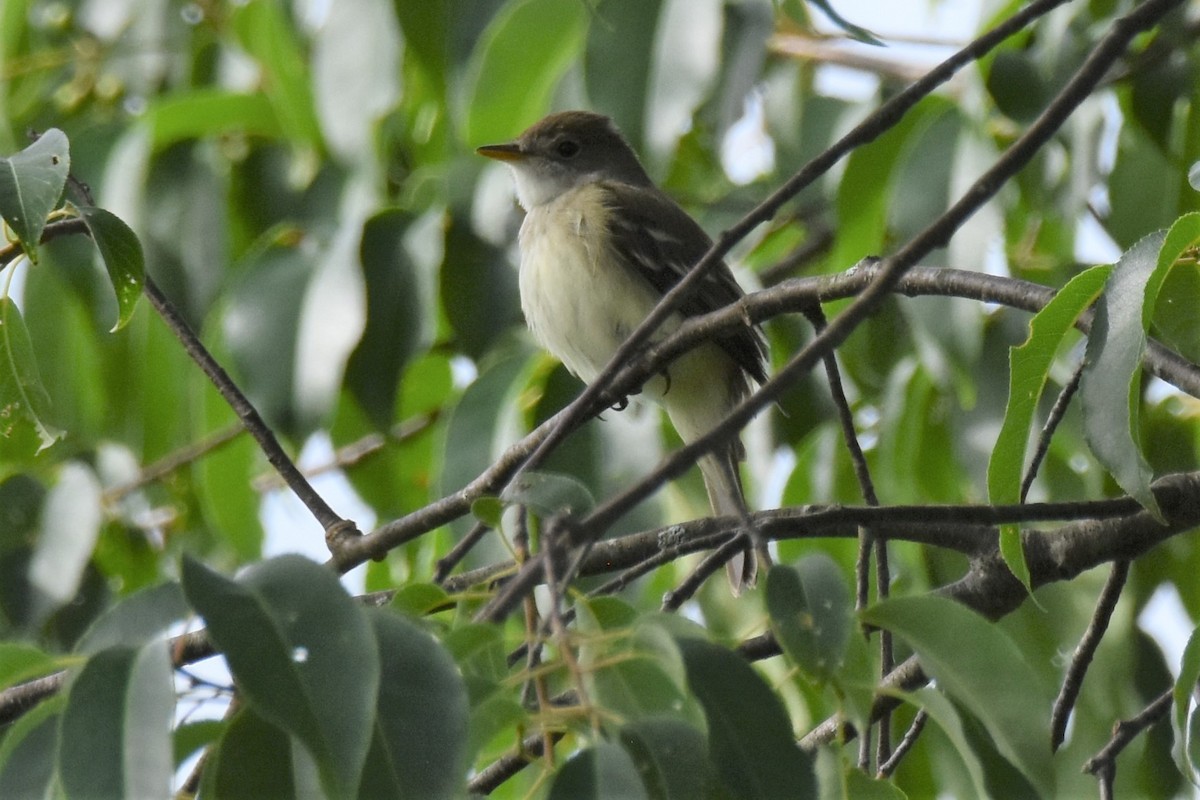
column 302, row 181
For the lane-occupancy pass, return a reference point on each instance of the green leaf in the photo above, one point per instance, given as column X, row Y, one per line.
column 209, row 112
column 942, row 711
column 750, row 738
column 855, row 31
column 619, row 58
column 23, row 399
column 121, row 253
column 396, row 318
column 634, row 676
column 136, row 620
column 1189, row 674
column 29, row 751
column 418, row 599
column 115, row 734
column 600, row 772
column 1111, row 382
column 301, row 651
column 861, row 786
column 549, row 494
column 670, row 758
column 515, row 67
column 812, row 614
column 1016, row 85
column 265, row 33
column 984, row 670
column 31, row 183
column 420, row 743
column 1029, row 370
column 495, row 714
column 191, row 737
column 253, row 759
column 20, row 662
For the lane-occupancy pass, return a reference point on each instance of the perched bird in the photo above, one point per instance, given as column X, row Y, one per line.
column 600, row 245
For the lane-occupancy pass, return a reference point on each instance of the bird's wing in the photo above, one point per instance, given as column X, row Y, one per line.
column 664, row 254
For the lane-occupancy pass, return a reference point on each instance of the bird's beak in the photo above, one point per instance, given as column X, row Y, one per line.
column 509, row 151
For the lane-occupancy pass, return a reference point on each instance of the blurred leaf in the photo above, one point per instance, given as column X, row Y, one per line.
column 489, row 511
column 1030, row 369
column 1143, row 189
column 114, row 734
column 225, row 477
column 618, row 58
column 860, row 786
column 29, row 752
column 19, row 662
column 31, row 183
column 253, row 759
column 355, row 64
column 302, row 652
column 670, row 758
column 636, row 676
column 478, row 290
column 138, row 619
column 264, row 32
column 479, row 650
column 1016, row 85
column 981, row 667
column 395, row 317
column 418, row 599
column 601, row 771
column 1185, row 685
column 495, row 714
column 23, row 429
column 209, row 111
column 549, row 494
column 749, row 734
column 1111, row 385
column 21, row 498
column 812, row 614
column 856, row 32
column 121, row 253
column 190, row 737
column 516, row 66
column 942, row 711
column 70, row 525
column 420, row 741
column 1174, row 313
column 1156, row 91
column 261, row 328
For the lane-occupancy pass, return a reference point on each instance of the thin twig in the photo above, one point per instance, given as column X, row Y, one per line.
column 913, row 733
column 1057, row 412
column 335, row 527
column 173, row 461
column 1104, row 764
column 1085, row 651
column 711, row 563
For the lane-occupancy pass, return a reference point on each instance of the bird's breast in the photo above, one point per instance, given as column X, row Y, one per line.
column 580, row 302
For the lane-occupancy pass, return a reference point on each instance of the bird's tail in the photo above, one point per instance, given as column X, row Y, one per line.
column 725, row 495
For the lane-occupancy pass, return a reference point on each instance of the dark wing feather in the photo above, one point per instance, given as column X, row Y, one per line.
column 658, row 239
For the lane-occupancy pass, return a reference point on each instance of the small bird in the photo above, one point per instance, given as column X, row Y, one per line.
column 600, row 245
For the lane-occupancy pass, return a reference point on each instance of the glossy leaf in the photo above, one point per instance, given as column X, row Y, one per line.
column 302, row 652
column 602, row 771
column 984, row 670
column 23, row 427
column 114, row 734
column 1029, row 370
column 749, row 735
column 121, row 253
column 31, row 183
column 812, row 614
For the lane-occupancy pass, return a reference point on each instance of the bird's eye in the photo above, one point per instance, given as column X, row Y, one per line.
column 567, row 148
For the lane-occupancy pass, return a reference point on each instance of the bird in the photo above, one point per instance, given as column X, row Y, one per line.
column 599, row 246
